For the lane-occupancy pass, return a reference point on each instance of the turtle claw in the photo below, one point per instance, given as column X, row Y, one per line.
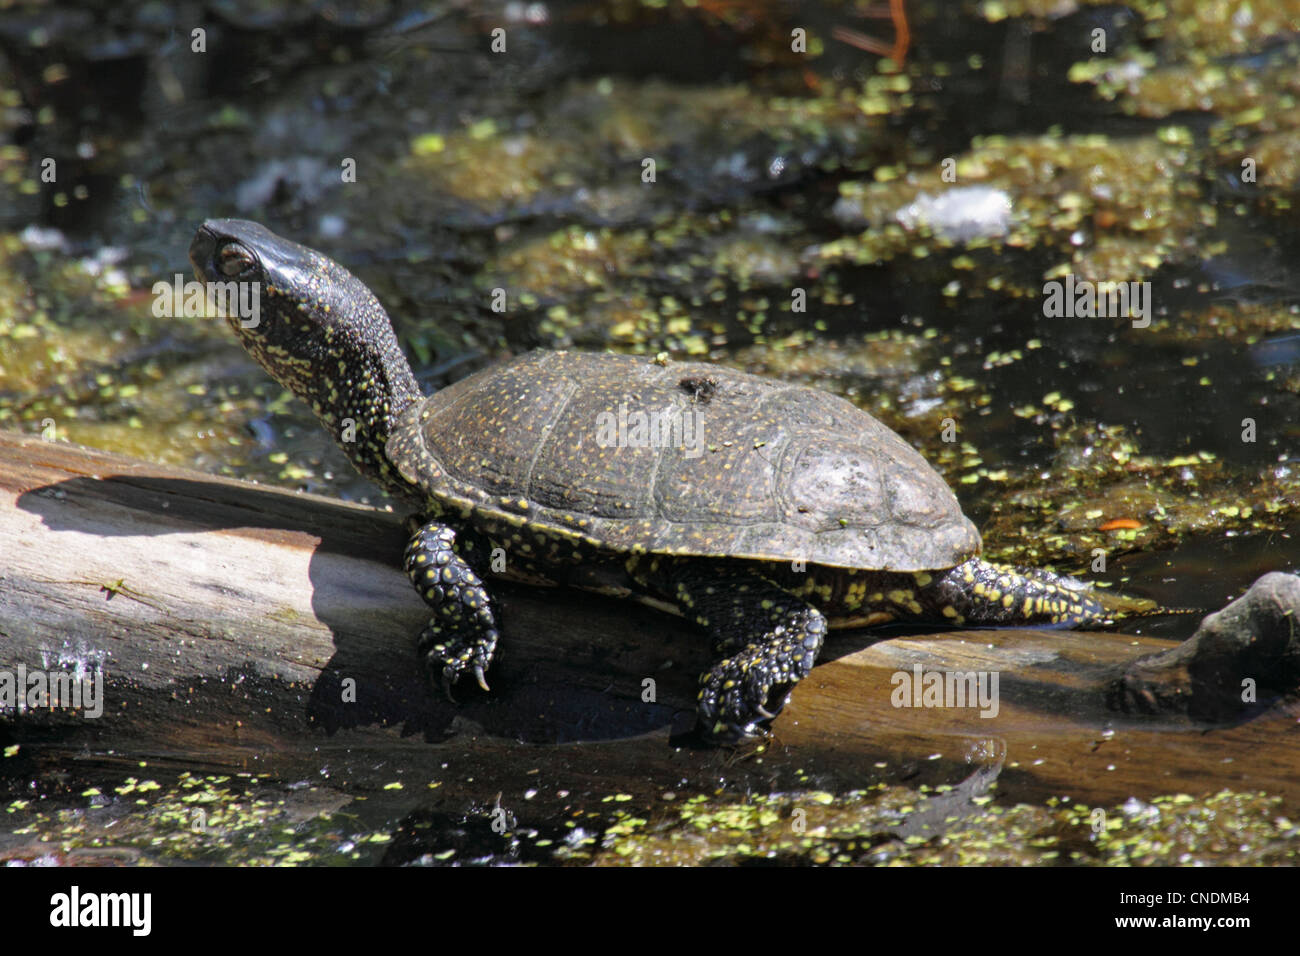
column 451, row 674
column 447, row 683
column 726, row 733
column 449, row 664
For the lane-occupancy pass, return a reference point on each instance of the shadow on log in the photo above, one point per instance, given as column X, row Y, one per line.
column 169, row 580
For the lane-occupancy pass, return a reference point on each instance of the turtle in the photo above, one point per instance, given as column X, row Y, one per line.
column 763, row 512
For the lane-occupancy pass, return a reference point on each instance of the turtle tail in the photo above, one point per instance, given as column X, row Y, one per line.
column 997, row 595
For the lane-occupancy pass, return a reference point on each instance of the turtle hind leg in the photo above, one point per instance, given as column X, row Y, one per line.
column 764, row 638
column 462, row 635
column 982, row 593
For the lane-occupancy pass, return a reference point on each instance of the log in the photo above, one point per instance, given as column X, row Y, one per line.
column 243, row 627
column 171, row 579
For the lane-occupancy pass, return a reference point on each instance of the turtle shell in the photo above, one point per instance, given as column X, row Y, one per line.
column 633, row 455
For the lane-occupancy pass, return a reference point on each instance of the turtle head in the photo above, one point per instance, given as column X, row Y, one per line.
column 316, row 329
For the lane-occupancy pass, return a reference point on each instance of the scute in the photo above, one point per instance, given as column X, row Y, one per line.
column 754, row 468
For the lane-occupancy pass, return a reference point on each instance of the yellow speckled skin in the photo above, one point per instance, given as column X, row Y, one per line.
column 789, row 511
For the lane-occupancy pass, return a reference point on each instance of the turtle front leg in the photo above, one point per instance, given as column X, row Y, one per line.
column 462, row 635
column 766, row 640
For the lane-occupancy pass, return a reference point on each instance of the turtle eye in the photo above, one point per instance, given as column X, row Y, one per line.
column 234, row 260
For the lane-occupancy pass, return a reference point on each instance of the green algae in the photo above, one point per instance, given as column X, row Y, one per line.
column 1101, row 207
column 872, row 828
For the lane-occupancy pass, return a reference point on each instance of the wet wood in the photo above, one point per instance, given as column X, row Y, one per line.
column 238, row 625
column 1052, row 733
